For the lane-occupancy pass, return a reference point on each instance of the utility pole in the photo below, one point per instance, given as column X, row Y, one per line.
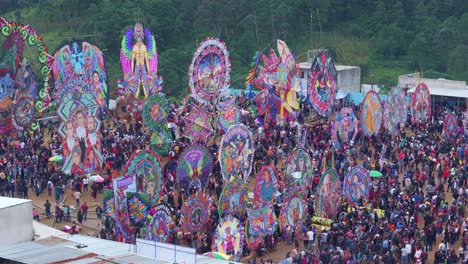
column 320, row 25
column 272, row 22
column 256, row 29
column 311, row 28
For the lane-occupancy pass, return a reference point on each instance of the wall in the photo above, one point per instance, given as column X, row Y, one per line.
column 165, row 252
column 15, row 221
column 348, row 77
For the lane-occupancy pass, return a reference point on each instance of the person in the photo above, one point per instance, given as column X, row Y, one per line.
column 84, row 209
column 99, row 212
column 47, row 208
column 310, row 236
column 36, row 214
column 77, row 196
column 69, row 141
column 79, row 216
column 85, row 184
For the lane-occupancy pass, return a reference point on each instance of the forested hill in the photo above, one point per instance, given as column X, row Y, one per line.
column 384, row 37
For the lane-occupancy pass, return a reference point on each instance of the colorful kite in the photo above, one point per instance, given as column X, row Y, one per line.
column 195, row 213
column 450, row 127
column 345, row 127
column 293, row 212
column 277, row 79
column 16, row 71
column 108, row 203
column 234, row 198
column 160, row 223
column 236, row 153
column 421, row 104
column 266, row 185
column 139, row 205
column 161, row 139
column 328, row 195
column 322, row 84
column 228, row 237
column 122, row 186
column 80, row 67
column 262, row 220
column 146, row 166
column 193, row 168
column 79, row 128
column 356, row 186
column 24, row 112
column 198, row 124
column 139, row 60
column 155, row 111
column 209, row 72
column 371, row 114
column 228, row 114
column 299, row 170
column 395, row 110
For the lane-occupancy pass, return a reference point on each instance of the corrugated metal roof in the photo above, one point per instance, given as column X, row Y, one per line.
column 59, row 250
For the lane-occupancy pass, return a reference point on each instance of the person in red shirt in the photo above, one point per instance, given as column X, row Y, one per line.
column 84, row 209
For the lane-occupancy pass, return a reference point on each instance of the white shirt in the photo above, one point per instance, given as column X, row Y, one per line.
column 310, row 235
column 81, row 132
column 85, row 180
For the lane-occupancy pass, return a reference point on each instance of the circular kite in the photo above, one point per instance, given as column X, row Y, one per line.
column 322, row 84
column 229, row 237
column 194, row 168
column 395, row 110
column 155, row 110
column 299, row 170
column 328, row 194
column 371, row 114
column 146, row 167
column 345, row 127
column 161, row 223
column 24, row 111
column 266, row 185
column 421, row 104
column 357, row 184
column 209, row 73
column 293, row 211
column 262, row 220
column 450, row 127
column 195, row 213
column 236, row 153
column 161, row 139
column 233, row 199
column 17, row 36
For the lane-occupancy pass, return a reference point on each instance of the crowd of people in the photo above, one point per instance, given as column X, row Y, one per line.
column 422, row 193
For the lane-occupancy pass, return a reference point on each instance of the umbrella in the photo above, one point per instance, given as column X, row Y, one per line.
column 217, row 255
column 56, row 158
column 97, row 178
column 375, row 174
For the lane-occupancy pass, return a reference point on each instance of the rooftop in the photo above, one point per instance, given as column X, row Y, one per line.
column 9, row 202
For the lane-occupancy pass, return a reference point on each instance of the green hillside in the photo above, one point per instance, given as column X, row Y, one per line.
column 384, row 38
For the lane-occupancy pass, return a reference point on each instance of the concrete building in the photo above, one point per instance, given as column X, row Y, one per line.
column 15, row 221
column 348, row 77
column 454, row 93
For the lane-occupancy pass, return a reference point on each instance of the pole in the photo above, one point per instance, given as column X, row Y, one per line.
column 256, row 29
column 272, row 22
column 311, row 27
column 320, row 25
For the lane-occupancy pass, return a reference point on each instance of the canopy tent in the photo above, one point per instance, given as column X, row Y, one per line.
column 341, row 95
